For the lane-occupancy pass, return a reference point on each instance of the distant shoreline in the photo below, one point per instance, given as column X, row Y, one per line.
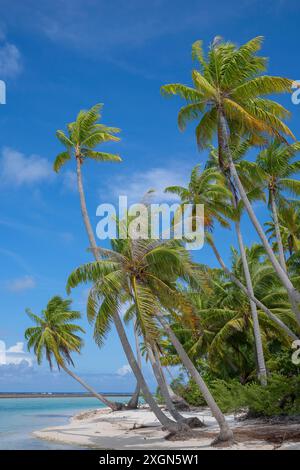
column 60, row 395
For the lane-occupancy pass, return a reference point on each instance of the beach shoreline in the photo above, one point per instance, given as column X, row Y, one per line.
column 139, row 429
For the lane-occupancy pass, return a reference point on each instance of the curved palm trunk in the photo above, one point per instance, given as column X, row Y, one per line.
column 295, row 295
column 134, row 400
column 262, row 372
column 259, row 352
column 225, row 432
column 163, row 388
column 164, row 420
column 258, row 303
column 178, row 401
column 99, row 396
column 277, row 232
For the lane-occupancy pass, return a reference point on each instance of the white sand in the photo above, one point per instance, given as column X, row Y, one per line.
column 138, row 429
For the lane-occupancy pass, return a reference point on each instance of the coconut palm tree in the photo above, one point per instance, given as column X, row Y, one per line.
column 145, row 271
column 55, row 337
column 289, row 228
column 209, row 189
column 83, row 135
column 228, row 99
column 278, row 168
column 226, row 317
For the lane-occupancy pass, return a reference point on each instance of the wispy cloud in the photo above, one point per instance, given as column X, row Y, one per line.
column 64, row 236
column 124, row 370
column 18, row 169
column 20, row 284
column 70, row 181
column 136, row 185
column 10, row 58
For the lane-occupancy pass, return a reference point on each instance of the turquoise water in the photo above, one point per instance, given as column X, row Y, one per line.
column 19, row 417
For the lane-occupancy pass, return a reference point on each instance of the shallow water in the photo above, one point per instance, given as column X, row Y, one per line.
column 19, row 417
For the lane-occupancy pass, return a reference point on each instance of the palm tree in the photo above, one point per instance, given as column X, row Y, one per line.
column 226, row 319
column 82, row 137
column 146, row 272
column 55, row 337
column 277, row 167
column 289, row 227
column 227, row 98
column 243, row 289
column 247, row 173
column 209, row 189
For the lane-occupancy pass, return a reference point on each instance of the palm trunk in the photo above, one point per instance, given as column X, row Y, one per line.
column 162, row 387
column 99, row 396
column 277, row 232
column 134, row 400
column 178, row 401
column 259, row 352
column 163, row 419
column 258, row 303
column 295, row 295
column 225, row 432
column 262, row 372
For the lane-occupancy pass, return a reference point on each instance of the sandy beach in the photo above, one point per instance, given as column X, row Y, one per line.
column 139, row 429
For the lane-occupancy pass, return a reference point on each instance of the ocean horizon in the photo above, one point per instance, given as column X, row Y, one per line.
column 20, row 417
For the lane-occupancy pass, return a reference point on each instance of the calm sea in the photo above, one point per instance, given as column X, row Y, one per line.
column 19, row 417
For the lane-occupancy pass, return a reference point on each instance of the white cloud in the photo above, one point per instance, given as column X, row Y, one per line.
column 17, row 348
column 124, row 370
column 14, row 354
column 135, row 186
column 70, row 180
column 18, row 170
column 20, row 284
column 10, row 59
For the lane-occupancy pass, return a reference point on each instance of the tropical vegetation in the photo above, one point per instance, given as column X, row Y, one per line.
column 229, row 329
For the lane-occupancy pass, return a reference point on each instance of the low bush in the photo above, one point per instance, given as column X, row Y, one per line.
column 280, row 397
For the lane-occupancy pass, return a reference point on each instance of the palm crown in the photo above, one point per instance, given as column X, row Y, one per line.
column 83, row 135
column 55, row 334
column 289, row 225
column 277, row 167
column 208, row 188
column 143, row 272
column 230, row 83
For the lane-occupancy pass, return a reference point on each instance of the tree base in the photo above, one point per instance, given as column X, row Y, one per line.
column 119, row 406
column 194, row 422
column 181, row 432
column 224, row 439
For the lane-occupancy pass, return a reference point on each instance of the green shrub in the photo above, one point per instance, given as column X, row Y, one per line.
column 280, row 397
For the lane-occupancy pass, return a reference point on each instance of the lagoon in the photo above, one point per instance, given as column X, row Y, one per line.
column 19, row 417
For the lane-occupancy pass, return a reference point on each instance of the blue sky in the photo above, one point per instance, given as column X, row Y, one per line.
column 58, row 57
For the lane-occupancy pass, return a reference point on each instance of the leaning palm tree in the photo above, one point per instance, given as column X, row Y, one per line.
column 145, row 271
column 228, row 98
column 82, row 136
column 55, row 337
column 248, row 175
column 208, row 188
column 289, row 227
column 278, row 169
